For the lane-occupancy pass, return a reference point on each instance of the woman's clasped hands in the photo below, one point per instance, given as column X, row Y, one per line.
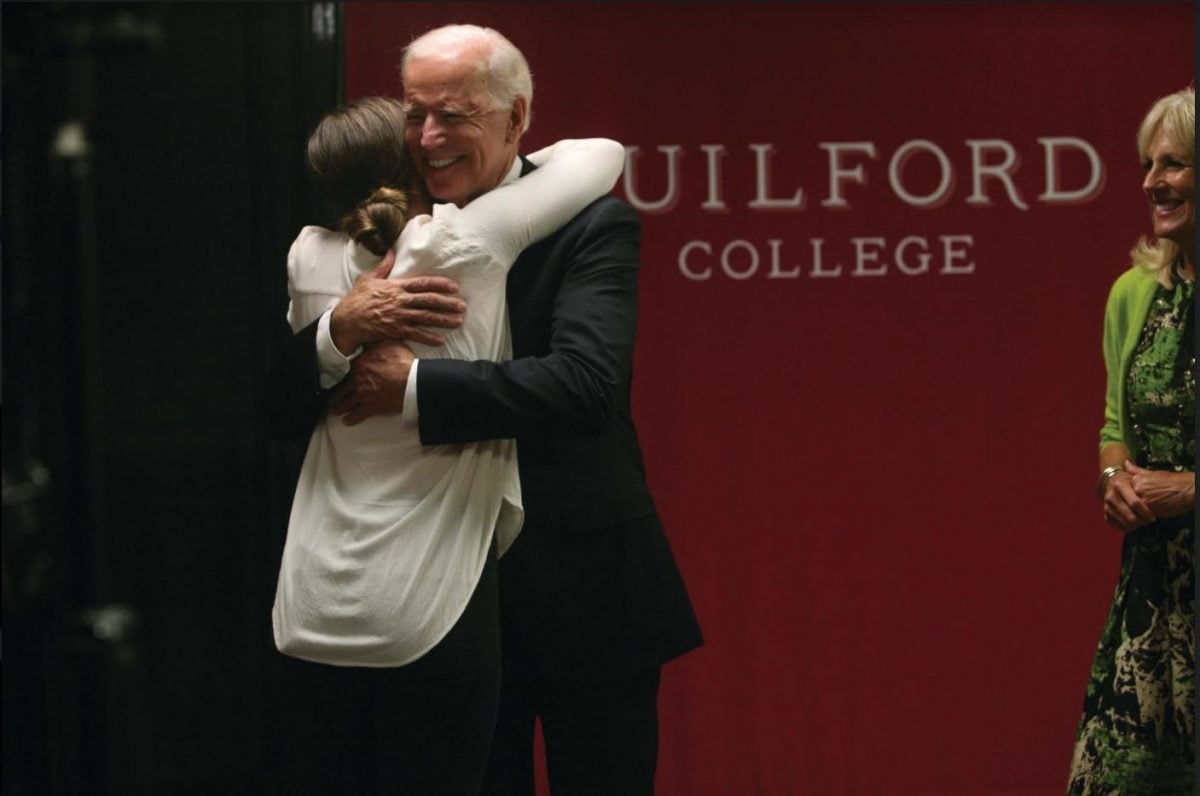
column 1134, row 496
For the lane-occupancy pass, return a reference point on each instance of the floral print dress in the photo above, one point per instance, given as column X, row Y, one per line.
column 1136, row 736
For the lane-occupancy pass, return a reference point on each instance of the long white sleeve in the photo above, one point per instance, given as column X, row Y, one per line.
column 571, row 175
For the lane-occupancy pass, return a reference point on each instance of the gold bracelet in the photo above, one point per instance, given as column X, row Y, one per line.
column 1105, row 476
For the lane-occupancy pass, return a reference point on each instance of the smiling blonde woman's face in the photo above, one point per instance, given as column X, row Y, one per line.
column 1170, row 187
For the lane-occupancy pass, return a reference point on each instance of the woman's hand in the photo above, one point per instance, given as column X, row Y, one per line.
column 1124, row 506
column 1166, row 493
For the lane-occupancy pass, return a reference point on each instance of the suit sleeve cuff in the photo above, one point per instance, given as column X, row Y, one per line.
column 331, row 363
column 409, row 415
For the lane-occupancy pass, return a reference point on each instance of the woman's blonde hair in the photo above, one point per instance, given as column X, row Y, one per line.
column 359, row 162
column 1174, row 115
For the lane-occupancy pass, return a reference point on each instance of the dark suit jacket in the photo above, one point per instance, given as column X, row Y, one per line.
column 590, row 585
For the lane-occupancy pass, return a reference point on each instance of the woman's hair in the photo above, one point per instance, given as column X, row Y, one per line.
column 358, row 161
column 502, row 68
column 1174, row 115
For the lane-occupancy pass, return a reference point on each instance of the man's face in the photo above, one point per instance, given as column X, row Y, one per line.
column 461, row 145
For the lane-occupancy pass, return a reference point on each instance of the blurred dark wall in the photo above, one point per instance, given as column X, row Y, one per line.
column 152, row 182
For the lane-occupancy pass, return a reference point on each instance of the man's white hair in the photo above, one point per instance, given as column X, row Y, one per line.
column 502, row 68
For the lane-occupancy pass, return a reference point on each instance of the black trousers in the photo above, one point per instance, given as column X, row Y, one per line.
column 419, row 729
column 601, row 738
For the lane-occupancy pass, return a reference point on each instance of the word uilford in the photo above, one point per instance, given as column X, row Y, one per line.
column 993, row 162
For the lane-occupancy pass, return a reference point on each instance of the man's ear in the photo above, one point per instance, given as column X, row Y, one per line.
column 516, row 120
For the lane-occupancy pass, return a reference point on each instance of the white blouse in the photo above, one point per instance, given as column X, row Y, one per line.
column 387, row 537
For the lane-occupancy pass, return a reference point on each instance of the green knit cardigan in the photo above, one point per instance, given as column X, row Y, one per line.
column 1128, row 304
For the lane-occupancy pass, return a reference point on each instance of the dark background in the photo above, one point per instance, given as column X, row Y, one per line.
column 152, row 182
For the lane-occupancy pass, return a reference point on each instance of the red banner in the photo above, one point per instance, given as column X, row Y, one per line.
column 877, row 244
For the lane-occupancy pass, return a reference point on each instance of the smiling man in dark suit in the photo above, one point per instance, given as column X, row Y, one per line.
column 592, row 603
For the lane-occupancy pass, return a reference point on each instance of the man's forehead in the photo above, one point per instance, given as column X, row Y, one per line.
column 442, row 94
column 450, row 98
column 448, row 79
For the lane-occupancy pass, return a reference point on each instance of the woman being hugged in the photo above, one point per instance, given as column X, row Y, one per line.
column 1137, row 732
column 388, row 585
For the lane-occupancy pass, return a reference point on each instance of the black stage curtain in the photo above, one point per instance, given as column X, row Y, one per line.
column 152, row 182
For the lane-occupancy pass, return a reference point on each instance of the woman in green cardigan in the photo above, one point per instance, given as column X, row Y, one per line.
column 1137, row 732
